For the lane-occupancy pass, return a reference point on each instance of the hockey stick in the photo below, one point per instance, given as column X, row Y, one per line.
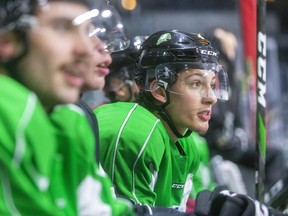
column 254, row 39
column 261, row 100
column 277, row 196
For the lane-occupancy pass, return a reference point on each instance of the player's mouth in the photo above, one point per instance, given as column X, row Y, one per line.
column 204, row 115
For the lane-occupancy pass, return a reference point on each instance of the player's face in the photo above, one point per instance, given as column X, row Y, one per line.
column 96, row 78
column 60, row 54
column 120, row 89
column 191, row 100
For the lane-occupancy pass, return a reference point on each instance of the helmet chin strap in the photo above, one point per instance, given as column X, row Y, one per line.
column 166, row 117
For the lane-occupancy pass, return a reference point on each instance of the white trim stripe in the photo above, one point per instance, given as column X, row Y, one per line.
column 186, row 192
column 138, row 157
column 20, row 145
column 21, row 127
column 117, row 141
column 6, row 187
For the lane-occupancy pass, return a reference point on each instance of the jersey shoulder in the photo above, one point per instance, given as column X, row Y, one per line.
column 190, row 147
column 130, row 116
column 15, row 98
column 71, row 123
column 21, row 114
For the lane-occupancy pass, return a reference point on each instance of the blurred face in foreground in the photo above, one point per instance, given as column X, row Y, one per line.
column 60, row 54
column 95, row 80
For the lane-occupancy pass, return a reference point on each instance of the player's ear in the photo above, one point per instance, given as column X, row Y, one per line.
column 10, row 46
column 158, row 93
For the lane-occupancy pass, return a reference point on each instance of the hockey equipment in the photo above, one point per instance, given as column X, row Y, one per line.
column 233, row 177
column 261, row 100
column 204, row 200
column 19, row 15
column 165, row 56
column 167, row 53
column 129, row 55
column 277, row 196
column 225, row 202
column 109, row 27
column 145, row 210
column 121, row 76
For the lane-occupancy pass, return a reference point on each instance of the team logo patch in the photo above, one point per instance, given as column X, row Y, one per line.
column 163, row 38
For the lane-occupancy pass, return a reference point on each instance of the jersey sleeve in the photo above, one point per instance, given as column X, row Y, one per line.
column 203, row 178
column 131, row 150
column 88, row 184
column 27, row 148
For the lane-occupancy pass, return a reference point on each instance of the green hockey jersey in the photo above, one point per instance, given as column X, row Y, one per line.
column 28, row 147
column 47, row 164
column 86, row 186
column 203, row 179
column 141, row 159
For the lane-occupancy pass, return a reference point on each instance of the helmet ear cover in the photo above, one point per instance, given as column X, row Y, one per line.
column 165, row 77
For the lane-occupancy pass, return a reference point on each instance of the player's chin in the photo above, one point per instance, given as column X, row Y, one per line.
column 70, row 95
column 97, row 83
column 202, row 128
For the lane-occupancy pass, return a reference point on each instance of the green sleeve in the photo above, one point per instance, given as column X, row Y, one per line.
column 130, row 154
column 203, row 178
column 89, row 189
column 27, row 147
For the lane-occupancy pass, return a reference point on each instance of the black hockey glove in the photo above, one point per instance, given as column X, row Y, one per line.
column 204, row 200
column 222, row 202
column 145, row 210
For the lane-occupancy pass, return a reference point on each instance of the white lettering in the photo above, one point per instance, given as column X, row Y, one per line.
column 208, row 52
column 261, row 69
column 178, row 186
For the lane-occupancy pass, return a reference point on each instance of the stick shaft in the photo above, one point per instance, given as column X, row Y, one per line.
column 261, row 100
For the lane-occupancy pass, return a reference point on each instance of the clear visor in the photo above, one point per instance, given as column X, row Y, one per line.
column 94, row 18
column 205, row 80
column 109, row 28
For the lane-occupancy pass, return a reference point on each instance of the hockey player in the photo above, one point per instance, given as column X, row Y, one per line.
column 142, row 144
column 45, row 53
column 120, row 84
column 141, row 149
column 47, row 49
